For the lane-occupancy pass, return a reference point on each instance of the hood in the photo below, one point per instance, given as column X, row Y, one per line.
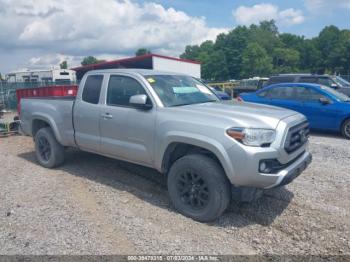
column 238, row 113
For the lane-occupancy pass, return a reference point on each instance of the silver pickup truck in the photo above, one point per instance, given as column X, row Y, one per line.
column 176, row 125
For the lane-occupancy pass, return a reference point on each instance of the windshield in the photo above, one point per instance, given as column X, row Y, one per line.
column 178, row 90
column 341, row 81
column 339, row 96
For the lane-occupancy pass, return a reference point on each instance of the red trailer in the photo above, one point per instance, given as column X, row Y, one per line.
column 47, row 91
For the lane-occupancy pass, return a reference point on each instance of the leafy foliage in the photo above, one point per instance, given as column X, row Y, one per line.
column 255, row 60
column 64, row 65
column 260, row 50
column 89, row 60
column 142, row 51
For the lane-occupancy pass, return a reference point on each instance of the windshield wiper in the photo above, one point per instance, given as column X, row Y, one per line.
column 186, row 104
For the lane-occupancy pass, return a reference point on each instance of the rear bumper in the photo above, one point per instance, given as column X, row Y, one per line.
column 292, row 171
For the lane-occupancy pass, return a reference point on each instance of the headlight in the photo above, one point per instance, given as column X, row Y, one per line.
column 252, row 136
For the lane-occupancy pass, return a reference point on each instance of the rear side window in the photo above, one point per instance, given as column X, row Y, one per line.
column 92, row 89
column 285, row 92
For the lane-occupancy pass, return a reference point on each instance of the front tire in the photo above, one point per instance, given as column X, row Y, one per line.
column 49, row 153
column 198, row 187
column 346, row 129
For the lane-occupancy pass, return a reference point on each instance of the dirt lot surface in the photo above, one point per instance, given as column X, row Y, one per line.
column 96, row 205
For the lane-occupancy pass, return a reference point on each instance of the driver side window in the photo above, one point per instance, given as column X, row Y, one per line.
column 308, row 94
column 121, row 88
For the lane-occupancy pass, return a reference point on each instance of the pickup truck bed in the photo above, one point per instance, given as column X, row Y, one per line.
column 57, row 111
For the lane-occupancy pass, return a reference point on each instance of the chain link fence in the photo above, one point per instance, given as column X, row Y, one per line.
column 8, row 99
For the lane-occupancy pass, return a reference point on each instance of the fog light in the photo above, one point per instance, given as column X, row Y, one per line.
column 262, row 166
column 269, row 166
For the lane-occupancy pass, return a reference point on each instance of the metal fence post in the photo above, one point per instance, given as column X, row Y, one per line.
column 2, row 93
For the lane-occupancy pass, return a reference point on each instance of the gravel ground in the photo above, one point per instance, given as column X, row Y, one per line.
column 96, row 205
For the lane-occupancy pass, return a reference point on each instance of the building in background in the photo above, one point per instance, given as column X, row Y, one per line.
column 148, row 61
column 44, row 76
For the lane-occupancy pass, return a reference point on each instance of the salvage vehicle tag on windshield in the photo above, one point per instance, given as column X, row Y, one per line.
column 151, row 80
column 185, row 89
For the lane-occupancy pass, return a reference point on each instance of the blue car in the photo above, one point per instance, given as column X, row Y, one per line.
column 324, row 107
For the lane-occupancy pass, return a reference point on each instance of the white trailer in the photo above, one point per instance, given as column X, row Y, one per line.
column 46, row 75
column 147, row 61
column 176, row 65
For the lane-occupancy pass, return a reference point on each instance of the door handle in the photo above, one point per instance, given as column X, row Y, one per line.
column 107, row 116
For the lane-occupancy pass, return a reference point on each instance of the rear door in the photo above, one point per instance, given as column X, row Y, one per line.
column 86, row 114
column 126, row 132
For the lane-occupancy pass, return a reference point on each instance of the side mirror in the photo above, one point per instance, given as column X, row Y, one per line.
column 324, row 101
column 140, row 102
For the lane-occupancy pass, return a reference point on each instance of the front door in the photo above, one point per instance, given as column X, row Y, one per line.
column 320, row 116
column 126, row 132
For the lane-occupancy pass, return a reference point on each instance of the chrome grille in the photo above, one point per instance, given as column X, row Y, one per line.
column 297, row 136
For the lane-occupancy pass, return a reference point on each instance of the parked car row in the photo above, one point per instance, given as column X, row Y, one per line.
column 256, row 83
column 325, row 108
column 335, row 82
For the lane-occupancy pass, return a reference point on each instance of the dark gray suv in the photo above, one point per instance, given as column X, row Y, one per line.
column 335, row 82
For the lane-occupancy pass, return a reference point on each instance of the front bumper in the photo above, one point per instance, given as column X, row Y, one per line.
column 292, row 171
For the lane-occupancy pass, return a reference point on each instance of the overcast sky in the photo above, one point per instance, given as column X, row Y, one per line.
column 41, row 33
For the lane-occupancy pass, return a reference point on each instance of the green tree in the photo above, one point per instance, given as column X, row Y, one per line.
column 286, row 60
column 292, row 41
column 215, row 68
column 233, row 45
column 310, row 57
column 255, row 61
column 191, row 52
column 64, row 65
column 266, row 35
column 142, row 51
column 261, row 49
column 89, row 60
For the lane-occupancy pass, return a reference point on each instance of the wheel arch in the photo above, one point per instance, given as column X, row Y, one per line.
column 180, row 146
column 343, row 120
column 40, row 121
column 346, row 118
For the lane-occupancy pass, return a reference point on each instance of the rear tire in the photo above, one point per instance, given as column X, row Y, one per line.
column 345, row 129
column 198, row 187
column 49, row 153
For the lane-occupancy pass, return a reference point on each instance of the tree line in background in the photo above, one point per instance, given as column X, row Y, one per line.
column 260, row 50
